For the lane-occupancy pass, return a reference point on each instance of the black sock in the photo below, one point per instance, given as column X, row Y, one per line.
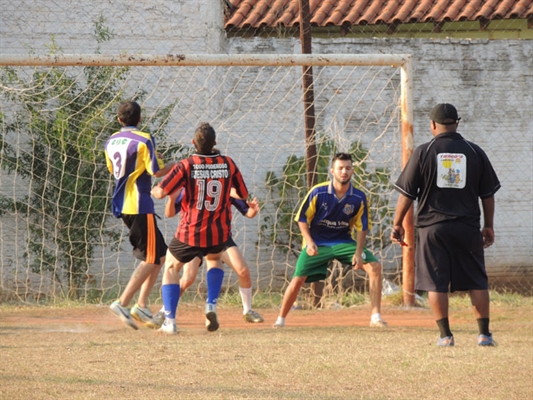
column 483, row 324
column 444, row 327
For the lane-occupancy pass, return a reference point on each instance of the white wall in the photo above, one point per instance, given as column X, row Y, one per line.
column 490, row 82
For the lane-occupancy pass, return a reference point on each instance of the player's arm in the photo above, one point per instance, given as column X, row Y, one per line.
column 403, row 205
column 158, row 192
column 233, row 193
column 253, row 208
column 247, row 208
column 165, row 170
column 153, row 160
column 238, row 187
column 172, row 182
column 310, row 245
column 488, row 205
column 173, row 203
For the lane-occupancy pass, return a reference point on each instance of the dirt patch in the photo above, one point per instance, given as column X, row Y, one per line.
column 190, row 317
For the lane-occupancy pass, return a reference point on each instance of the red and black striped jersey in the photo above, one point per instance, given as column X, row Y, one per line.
column 206, row 206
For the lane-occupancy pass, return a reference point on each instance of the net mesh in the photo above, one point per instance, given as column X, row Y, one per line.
column 57, row 236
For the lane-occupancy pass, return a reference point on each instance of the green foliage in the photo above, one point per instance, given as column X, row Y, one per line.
column 286, row 192
column 64, row 116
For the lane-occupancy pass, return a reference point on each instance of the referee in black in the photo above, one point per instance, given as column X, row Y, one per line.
column 447, row 176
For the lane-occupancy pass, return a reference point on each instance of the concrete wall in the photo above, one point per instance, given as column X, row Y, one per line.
column 489, row 81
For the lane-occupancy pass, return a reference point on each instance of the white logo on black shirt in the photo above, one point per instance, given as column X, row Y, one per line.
column 451, row 170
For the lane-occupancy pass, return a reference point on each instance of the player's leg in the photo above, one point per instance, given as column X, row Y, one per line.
column 147, row 286
column 170, row 291
column 143, row 231
column 189, row 273
column 141, row 311
column 317, row 291
column 234, row 259
column 214, row 278
column 375, row 283
column 438, row 302
column 289, row 297
column 312, row 267
column 434, row 263
column 344, row 253
column 120, row 307
column 177, row 255
column 481, row 304
column 469, row 273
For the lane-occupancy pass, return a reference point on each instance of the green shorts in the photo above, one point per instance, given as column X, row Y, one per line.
column 316, row 267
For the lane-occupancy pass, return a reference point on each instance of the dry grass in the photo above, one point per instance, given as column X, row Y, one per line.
column 82, row 353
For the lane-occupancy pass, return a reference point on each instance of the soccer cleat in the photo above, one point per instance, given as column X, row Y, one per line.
column 446, row 341
column 484, row 340
column 211, row 321
column 253, row 317
column 123, row 313
column 168, row 327
column 159, row 318
column 144, row 315
column 378, row 324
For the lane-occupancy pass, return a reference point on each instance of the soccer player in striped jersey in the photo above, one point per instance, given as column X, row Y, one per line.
column 132, row 158
column 330, row 216
column 231, row 256
column 205, row 225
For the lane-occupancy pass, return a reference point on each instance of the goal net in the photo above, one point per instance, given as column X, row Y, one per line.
column 58, row 238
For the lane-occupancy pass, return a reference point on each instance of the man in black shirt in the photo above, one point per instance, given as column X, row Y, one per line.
column 448, row 176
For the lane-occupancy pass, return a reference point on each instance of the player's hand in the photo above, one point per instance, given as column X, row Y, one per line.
column 397, row 235
column 488, row 237
column 254, row 208
column 311, row 249
column 357, row 261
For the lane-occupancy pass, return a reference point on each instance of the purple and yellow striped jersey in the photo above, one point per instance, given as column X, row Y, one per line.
column 132, row 158
column 333, row 221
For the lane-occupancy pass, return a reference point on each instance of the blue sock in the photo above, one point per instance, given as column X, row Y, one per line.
column 171, row 296
column 214, row 277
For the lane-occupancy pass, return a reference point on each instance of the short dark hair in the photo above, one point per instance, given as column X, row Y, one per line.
column 341, row 156
column 129, row 113
column 204, row 139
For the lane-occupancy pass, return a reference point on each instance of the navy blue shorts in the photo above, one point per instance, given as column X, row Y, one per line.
column 449, row 257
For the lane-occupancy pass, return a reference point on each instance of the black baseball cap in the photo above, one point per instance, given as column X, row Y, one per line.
column 444, row 114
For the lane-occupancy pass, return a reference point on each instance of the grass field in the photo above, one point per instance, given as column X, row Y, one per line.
column 75, row 352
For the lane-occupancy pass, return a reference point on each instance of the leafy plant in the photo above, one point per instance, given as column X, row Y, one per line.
column 65, row 120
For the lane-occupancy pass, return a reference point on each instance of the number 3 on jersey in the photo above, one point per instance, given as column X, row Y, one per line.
column 207, row 190
column 119, row 149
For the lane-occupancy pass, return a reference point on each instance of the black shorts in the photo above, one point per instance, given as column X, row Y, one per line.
column 449, row 257
column 145, row 237
column 185, row 253
column 230, row 243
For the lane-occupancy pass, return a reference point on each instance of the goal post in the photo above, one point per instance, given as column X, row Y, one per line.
column 57, row 110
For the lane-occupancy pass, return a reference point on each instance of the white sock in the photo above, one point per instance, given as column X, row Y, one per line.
column 375, row 317
column 280, row 321
column 246, row 297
